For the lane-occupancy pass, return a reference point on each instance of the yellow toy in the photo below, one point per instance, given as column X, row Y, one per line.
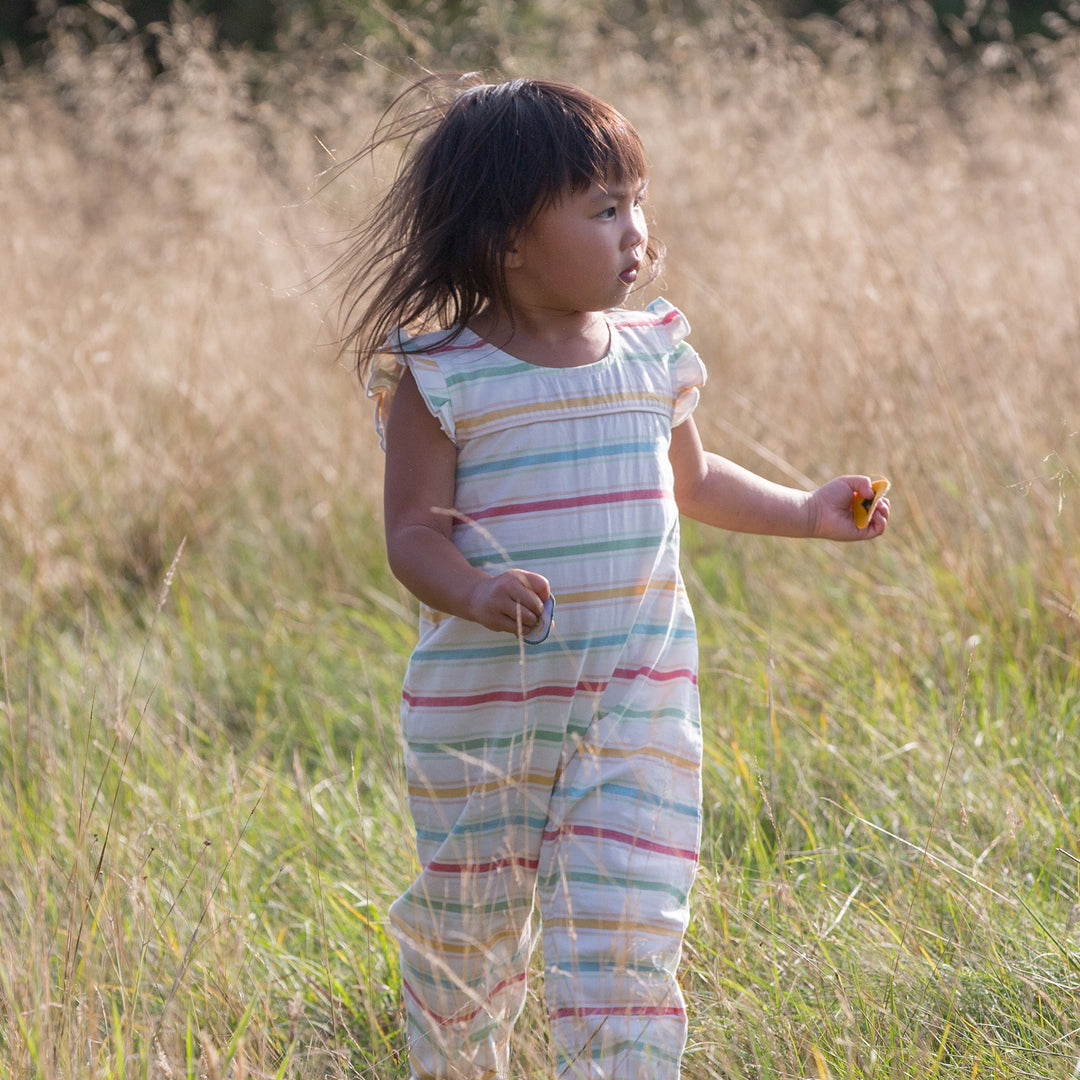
column 862, row 510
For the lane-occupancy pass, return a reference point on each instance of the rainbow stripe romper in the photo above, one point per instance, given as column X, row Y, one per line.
column 563, row 776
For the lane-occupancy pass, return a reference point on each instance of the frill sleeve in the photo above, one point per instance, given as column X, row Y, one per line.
column 690, row 376
column 387, row 367
column 688, row 373
column 382, row 381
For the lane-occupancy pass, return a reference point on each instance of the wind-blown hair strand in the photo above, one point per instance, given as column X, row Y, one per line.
column 479, row 162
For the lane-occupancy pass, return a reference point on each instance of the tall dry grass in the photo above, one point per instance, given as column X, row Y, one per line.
column 205, row 816
column 881, row 274
column 160, row 346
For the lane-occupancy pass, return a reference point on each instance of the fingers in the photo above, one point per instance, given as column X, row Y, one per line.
column 537, row 584
column 513, row 602
column 851, row 507
column 868, row 493
column 879, row 519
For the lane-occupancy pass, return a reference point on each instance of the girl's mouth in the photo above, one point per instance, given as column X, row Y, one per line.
column 629, row 275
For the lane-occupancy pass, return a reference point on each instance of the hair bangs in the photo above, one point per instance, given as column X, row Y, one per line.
column 602, row 147
column 566, row 140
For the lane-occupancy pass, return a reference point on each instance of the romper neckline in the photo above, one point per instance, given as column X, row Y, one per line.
column 475, row 340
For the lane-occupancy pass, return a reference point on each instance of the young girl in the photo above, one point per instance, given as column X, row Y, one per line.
column 540, row 444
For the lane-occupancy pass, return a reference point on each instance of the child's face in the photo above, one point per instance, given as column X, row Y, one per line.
column 581, row 253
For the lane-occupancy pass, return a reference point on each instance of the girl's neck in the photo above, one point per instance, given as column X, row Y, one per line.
column 556, row 341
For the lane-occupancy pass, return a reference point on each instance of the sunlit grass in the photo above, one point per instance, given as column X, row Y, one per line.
column 203, row 819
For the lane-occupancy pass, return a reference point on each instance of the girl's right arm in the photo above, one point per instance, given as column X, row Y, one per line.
column 418, row 490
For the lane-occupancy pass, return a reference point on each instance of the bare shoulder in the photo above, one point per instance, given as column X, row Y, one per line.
column 420, row 460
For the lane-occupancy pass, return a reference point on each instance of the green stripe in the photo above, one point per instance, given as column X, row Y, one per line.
column 564, row 551
column 561, row 876
column 440, row 747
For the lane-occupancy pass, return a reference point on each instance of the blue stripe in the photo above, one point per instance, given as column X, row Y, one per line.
column 435, row 653
column 496, row 742
column 572, row 456
column 486, row 826
column 495, row 369
column 689, row 810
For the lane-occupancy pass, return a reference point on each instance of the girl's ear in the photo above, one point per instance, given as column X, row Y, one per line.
column 516, row 243
column 512, row 257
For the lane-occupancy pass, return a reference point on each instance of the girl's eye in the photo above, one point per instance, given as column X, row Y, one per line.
column 607, row 213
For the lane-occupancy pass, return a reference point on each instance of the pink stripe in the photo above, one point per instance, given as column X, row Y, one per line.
column 654, row 675
column 542, row 505
column 457, row 345
column 622, row 838
column 668, row 316
column 451, row 701
column 482, row 867
column 461, row 1018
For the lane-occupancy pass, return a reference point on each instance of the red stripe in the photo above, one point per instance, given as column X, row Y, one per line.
column 656, row 676
column 621, row 837
column 668, row 316
column 482, row 867
column 491, row 697
column 544, row 505
column 462, row 1018
column 451, row 701
column 457, row 345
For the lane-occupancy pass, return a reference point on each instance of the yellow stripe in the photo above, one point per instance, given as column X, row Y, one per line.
column 637, row 752
column 576, row 923
column 440, row 945
column 587, row 596
column 432, row 791
column 545, row 780
column 535, row 409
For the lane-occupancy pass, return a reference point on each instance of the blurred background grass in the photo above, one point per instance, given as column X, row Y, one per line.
column 873, row 229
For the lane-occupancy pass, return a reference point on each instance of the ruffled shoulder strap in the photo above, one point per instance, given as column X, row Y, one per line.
column 661, row 325
column 420, row 356
column 660, row 332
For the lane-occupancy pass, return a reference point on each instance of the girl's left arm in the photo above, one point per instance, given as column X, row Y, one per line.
column 715, row 491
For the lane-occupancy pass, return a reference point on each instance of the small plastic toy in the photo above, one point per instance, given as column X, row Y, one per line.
column 862, row 510
column 541, row 630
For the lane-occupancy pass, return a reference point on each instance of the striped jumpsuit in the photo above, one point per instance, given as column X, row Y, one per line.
column 566, row 775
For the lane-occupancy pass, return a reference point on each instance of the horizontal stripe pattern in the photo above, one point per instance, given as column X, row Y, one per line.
column 567, row 771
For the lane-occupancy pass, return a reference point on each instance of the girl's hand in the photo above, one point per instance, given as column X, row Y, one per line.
column 421, row 463
column 829, row 510
column 500, row 602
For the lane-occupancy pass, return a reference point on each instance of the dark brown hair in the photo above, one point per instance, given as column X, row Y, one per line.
column 480, row 161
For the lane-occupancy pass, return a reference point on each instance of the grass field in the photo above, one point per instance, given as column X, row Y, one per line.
column 202, row 819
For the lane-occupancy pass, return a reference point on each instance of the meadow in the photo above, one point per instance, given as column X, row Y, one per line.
column 202, row 814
